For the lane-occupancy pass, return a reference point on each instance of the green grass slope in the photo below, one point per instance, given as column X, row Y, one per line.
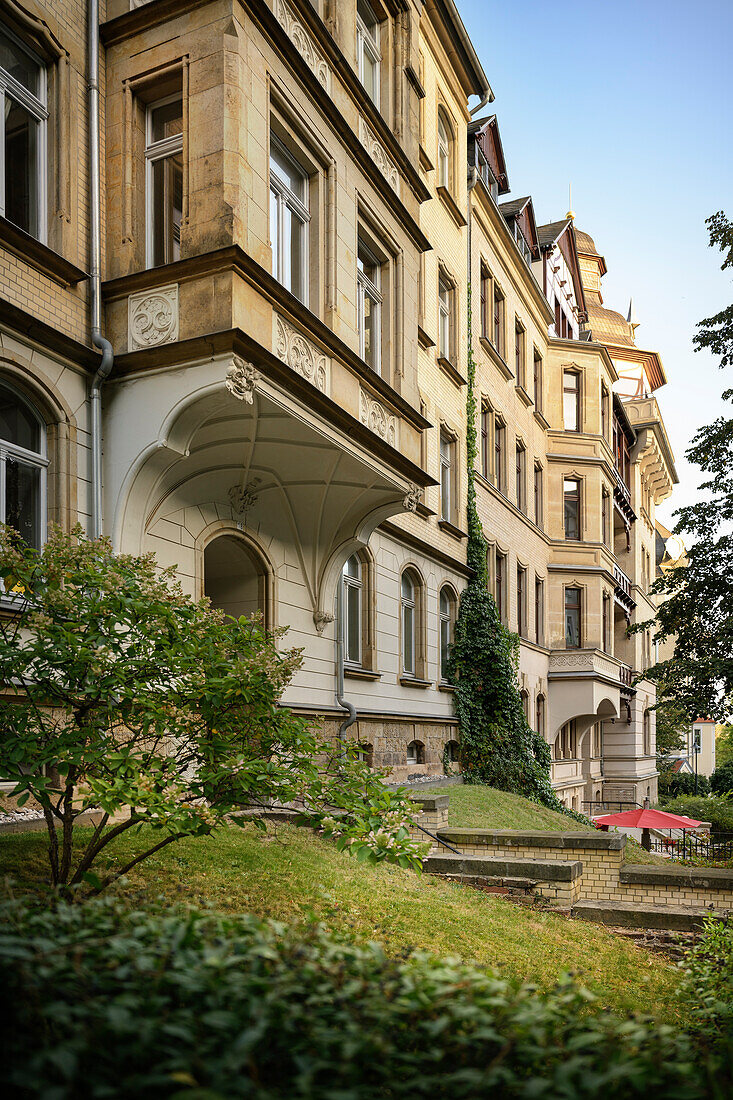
column 289, row 872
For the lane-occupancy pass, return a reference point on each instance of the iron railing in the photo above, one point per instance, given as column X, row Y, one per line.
column 602, row 807
column 717, row 847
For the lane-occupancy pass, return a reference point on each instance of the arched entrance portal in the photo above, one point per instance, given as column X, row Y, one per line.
column 236, row 579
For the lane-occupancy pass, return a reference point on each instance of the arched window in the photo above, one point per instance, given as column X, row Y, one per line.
column 415, row 752
column 22, row 467
column 647, row 732
column 540, row 715
column 444, row 151
column 352, row 624
column 447, row 612
column 409, row 624
column 453, row 752
column 524, row 696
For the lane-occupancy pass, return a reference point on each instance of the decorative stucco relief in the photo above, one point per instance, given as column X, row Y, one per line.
column 152, row 317
column 377, row 419
column 412, row 499
column 300, row 354
column 322, row 619
column 378, row 155
column 244, row 497
column 241, row 379
column 303, row 42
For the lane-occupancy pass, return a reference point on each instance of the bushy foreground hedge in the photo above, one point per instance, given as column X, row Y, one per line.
column 707, row 987
column 105, row 1002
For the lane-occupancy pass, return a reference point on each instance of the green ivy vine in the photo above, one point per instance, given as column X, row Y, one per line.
column 498, row 746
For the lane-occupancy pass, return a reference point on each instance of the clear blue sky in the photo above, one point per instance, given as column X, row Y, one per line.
column 631, row 103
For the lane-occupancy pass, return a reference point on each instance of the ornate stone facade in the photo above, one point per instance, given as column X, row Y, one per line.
column 377, row 418
column 152, row 317
column 301, row 354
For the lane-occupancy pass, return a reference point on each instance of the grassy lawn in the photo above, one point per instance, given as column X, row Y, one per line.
column 478, row 807
column 290, row 872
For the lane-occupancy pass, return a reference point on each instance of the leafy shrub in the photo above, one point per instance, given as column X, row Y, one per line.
column 707, row 986
column 674, row 784
column 721, row 781
column 717, row 809
column 108, row 1002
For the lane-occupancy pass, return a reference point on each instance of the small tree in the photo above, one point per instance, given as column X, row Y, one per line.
column 721, row 781
column 118, row 693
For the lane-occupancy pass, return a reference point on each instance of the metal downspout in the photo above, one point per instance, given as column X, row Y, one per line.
column 343, row 703
column 95, row 277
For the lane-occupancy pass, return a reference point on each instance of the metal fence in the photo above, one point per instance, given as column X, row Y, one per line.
column 717, row 847
column 593, row 809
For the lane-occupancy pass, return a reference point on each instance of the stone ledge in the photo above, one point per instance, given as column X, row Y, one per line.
column 430, row 801
column 703, row 878
column 541, row 870
column 628, row 914
column 513, row 838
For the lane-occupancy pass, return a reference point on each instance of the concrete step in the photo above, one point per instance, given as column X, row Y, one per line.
column 537, row 870
column 629, row 914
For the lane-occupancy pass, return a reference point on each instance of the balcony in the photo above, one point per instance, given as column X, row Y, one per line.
column 622, row 590
column 584, row 685
column 622, row 499
column 626, row 676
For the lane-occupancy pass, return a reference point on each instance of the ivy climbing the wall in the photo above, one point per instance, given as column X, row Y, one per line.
column 498, row 747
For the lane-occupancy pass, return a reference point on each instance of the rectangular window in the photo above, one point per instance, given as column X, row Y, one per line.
column 604, row 410
column 500, row 585
column 521, row 604
column 369, row 307
column 572, row 618
column 538, row 381
column 367, row 49
column 23, row 116
column 519, row 353
column 499, row 453
column 606, row 518
column 571, row 506
column 352, row 580
column 539, row 613
column 539, row 505
column 289, row 218
column 444, row 319
column 485, row 302
column 606, row 626
column 447, row 464
column 164, row 161
column 571, row 400
column 499, row 333
column 485, row 440
column 558, row 318
column 521, row 493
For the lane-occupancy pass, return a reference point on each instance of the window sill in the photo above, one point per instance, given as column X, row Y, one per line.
column 424, row 160
column 523, row 395
column 39, row 255
column 541, row 420
column 451, row 529
column 355, row 673
column 447, row 367
column 451, row 206
column 423, row 510
column 414, row 681
column 497, row 359
column 423, row 339
column 445, row 686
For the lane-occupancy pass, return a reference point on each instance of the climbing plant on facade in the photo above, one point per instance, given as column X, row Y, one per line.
column 498, row 747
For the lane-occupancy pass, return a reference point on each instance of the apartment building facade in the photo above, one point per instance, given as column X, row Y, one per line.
column 288, row 193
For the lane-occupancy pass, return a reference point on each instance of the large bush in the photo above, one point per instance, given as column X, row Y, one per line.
column 110, row 1003
column 673, row 784
column 718, row 810
column 119, row 693
column 721, row 781
column 707, row 986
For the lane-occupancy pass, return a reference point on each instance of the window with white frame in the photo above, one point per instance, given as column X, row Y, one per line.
column 352, row 620
column 164, row 169
column 447, row 613
column 289, row 218
column 447, row 475
column 22, row 467
column 444, row 318
column 23, row 117
column 408, row 600
column 369, row 307
column 367, row 49
column 444, row 147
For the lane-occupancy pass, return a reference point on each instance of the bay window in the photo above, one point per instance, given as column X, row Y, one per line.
column 289, row 218
column 571, row 507
column 367, row 50
column 571, row 400
column 572, row 618
column 164, row 168
column 369, row 307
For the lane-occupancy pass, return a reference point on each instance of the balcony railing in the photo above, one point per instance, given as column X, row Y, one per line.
column 622, row 486
column 622, row 590
column 626, row 675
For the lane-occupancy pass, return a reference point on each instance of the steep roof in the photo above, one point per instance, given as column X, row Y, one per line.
column 547, row 235
column 521, row 211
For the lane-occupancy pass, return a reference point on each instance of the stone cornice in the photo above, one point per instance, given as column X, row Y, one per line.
column 49, row 339
column 233, row 258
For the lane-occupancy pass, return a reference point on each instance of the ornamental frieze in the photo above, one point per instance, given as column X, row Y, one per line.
column 303, row 42
column 377, row 418
column 293, row 348
column 152, row 317
column 378, row 155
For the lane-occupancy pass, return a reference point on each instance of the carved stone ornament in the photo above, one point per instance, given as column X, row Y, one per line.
column 378, row 155
column 244, row 497
column 300, row 354
column 241, row 380
column 152, row 317
column 303, row 42
column 377, row 418
column 412, row 499
column 322, row 619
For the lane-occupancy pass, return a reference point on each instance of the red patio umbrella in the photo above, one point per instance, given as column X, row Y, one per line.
column 646, row 819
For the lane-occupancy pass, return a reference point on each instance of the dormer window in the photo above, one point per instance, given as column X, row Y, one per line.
column 521, row 240
column 367, row 49
column 488, row 177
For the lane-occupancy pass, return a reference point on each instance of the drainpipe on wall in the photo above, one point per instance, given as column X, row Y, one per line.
column 95, row 277
column 343, row 703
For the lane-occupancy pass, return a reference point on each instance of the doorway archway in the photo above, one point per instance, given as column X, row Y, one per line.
column 237, row 579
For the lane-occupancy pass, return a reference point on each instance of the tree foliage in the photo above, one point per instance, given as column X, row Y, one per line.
column 697, row 598
column 721, row 781
column 121, row 695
